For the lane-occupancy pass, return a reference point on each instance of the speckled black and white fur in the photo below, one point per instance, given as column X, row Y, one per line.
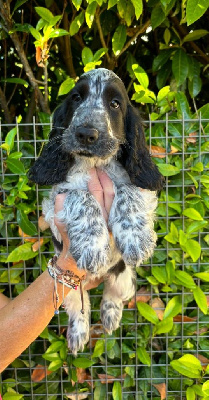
column 97, row 126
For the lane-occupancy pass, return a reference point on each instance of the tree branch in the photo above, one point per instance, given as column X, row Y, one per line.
column 5, row 11
column 4, row 106
column 140, row 31
column 183, row 32
column 97, row 19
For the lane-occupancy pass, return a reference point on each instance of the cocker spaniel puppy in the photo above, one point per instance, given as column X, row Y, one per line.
column 97, row 126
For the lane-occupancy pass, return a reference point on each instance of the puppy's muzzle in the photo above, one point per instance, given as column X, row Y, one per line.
column 86, row 136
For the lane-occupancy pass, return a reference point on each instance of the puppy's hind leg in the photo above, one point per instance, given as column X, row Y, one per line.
column 78, row 324
column 118, row 287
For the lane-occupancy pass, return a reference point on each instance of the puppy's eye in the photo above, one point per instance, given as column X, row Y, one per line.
column 114, row 104
column 76, row 97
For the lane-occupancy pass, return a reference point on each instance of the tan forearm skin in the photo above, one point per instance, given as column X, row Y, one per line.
column 25, row 317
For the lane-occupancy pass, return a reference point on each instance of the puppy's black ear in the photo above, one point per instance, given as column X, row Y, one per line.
column 135, row 156
column 54, row 163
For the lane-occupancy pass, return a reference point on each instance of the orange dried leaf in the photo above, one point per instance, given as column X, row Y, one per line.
column 183, row 318
column 104, row 378
column 39, row 60
column 159, row 307
column 76, row 396
column 157, row 151
column 142, row 294
column 39, row 373
column 173, row 150
column 26, row 237
column 161, row 388
column 192, row 137
column 96, row 331
column 43, row 225
column 204, row 361
column 36, row 246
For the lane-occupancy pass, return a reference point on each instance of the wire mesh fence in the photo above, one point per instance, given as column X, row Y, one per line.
column 135, row 362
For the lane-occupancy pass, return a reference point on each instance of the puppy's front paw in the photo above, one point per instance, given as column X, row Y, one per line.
column 138, row 248
column 111, row 314
column 87, row 230
column 91, row 258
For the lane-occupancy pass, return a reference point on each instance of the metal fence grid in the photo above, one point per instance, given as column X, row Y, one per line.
column 56, row 386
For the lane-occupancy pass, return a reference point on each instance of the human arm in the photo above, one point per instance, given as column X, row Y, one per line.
column 25, row 317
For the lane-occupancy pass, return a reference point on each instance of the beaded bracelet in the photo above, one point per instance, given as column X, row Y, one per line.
column 67, row 278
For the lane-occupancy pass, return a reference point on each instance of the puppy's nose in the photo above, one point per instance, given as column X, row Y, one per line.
column 87, row 136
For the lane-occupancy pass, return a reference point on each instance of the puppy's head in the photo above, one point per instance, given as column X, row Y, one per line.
column 95, row 121
column 95, row 111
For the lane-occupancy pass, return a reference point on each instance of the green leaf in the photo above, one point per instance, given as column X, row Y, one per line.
column 76, row 23
column 157, row 16
column 195, row 35
column 99, row 348
column 27, row 226
column 77, row 3
column 182, row 105
column 196, row 226
column 188, row 365
column 111, row 3
column 195, row 9
column 36, row 34
column 160, row 274
column 44, row 13
column 190, row 394
column 163, row 93
column 193, row 248
column 100, row 391
column 205, row 388
column 193, row 214
column 185, row 279
column 82, row 362
column 87, row 55
column 141, row 75
column 173, row 235
column 12, row 395
column 200, row 299
column 51, row 356
column 161, row 59
column 16, row 80
column 58, row 33
column 117, row 391
column 18, row 4
column 143, row 356
column 163, row 326
column 55, row 365
column 15, row 166
column 204, row 276
column 147, row 312
column 138, row 5
column 119, row 39
column 66, row 86
column 198, row 389
column 9, row 139
column 99, row 53
column 22, row 252
column 170, row 270
column 90, row 13
column 180, row 66
column 168, row 169
column 173, row 308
